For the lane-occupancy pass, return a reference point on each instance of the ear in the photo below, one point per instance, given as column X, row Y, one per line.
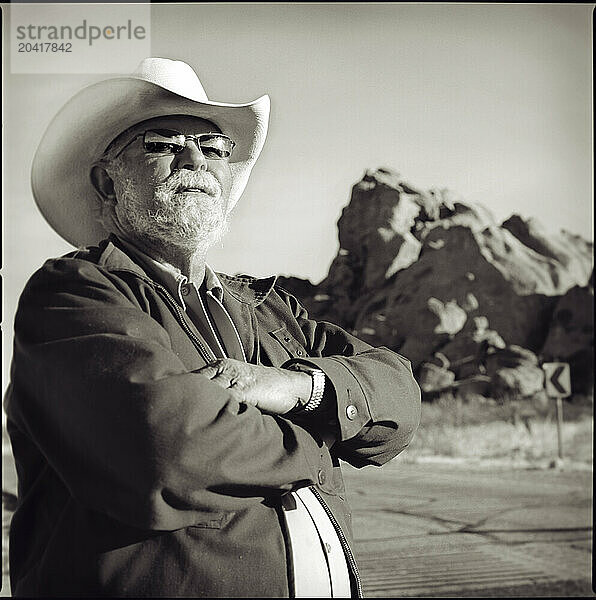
column 103, row 183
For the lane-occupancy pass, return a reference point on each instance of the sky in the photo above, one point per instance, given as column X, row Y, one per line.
column 491, row 101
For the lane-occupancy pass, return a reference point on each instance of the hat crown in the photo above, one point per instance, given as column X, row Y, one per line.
column 174, row 75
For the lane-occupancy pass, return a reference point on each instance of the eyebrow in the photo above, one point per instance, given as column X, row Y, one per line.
column 176, row 132
column 162, row 131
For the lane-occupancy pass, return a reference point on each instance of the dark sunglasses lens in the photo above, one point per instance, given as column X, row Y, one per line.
column 219, row 146
column 157, row 143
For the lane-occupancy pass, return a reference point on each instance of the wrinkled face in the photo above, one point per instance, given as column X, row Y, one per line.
column 177, row 199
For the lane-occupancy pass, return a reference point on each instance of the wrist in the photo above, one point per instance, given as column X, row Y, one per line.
column 304, row 386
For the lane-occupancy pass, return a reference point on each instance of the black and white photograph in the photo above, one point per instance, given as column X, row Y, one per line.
column 297, row 300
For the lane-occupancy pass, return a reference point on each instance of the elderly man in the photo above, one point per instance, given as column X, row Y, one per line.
column 178, row 432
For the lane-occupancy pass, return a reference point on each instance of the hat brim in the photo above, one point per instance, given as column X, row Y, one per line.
column 79, row 134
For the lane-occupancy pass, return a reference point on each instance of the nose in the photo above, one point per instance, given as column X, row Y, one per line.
column 191, row 158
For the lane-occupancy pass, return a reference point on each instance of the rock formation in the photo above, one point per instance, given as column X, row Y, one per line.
column 464, row 298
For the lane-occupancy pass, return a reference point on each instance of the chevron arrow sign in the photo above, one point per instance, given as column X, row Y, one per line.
column 557, row 379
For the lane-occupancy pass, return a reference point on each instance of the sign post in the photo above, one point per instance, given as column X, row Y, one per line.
column 557, row 383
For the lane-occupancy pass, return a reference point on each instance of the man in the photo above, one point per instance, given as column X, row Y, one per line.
column 178, row 432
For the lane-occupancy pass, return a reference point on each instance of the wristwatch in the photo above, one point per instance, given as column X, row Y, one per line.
column 318, row 388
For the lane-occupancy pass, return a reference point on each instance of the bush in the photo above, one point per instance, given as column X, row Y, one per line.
column 483, row 428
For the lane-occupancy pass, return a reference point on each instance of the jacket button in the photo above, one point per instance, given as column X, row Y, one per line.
column 286, row 339
column 185, row 290
column 299, row 352
column 322, row 477
column 351, row 412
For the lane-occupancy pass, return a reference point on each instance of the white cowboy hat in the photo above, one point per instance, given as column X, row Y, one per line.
column 81, row 131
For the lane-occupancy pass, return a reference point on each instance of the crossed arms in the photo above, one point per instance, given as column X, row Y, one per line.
column 99, row 393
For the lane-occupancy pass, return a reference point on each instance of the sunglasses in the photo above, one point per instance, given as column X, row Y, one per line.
column 214, row 146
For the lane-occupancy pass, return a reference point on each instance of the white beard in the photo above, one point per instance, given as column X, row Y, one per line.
column 187, row 220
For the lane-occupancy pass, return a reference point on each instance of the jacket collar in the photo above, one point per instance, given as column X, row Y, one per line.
column 244, row 288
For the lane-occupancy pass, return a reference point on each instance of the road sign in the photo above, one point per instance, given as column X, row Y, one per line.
column 557, row 379
column 557, row 382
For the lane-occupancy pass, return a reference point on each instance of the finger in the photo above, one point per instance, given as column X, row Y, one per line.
column 211, row 370
column 222, row 382
column 215, row 375
column 238, row 395
column 208, row 371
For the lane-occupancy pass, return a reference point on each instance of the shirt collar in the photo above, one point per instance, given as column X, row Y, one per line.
column 248, row 290
column 171, row 277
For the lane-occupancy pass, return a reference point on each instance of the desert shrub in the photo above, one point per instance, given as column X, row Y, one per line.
column 478, row 427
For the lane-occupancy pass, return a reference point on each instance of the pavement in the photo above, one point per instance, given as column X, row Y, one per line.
column 453, row 528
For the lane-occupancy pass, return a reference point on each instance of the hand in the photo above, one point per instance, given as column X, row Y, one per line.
column 270, row 389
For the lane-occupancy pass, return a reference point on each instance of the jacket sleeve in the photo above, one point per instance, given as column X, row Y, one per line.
column 378, row 399
column 98, row 389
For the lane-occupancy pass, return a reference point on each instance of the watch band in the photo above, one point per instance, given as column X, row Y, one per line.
column 318, row 388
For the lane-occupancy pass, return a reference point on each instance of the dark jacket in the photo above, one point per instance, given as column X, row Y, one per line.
column 138, row 476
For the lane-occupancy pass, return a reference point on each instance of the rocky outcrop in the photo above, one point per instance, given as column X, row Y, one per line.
column 515, row 372
column 438, row 280
column 567, row 249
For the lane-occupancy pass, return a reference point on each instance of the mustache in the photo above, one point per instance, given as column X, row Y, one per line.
column 181, row 180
